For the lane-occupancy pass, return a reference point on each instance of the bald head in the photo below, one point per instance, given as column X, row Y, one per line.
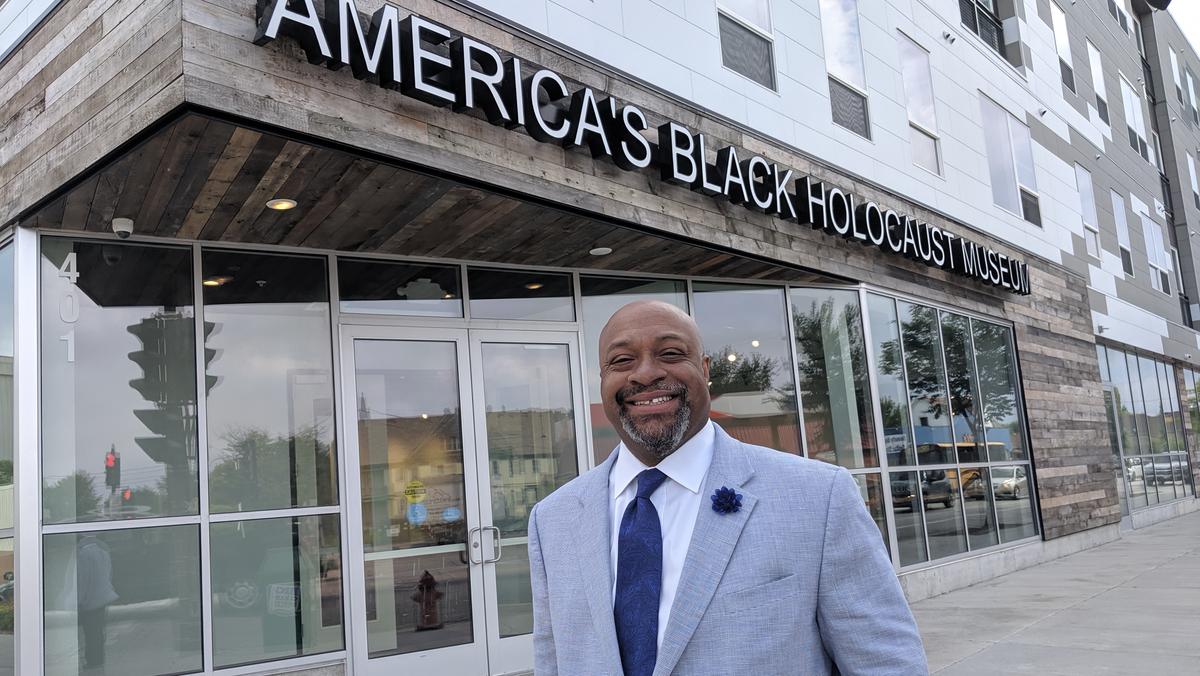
column 653, row 378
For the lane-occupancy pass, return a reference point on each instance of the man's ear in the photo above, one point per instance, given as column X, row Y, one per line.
column 707, row 363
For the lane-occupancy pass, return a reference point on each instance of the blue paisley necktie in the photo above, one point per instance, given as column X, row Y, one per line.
column 639, row 579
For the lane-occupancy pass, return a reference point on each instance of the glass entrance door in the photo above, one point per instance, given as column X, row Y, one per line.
column 528, row 422
column 456, row 435
column 417, row 600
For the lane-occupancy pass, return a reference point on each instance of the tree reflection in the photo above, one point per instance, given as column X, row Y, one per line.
column 71, row 495
column 253, row 461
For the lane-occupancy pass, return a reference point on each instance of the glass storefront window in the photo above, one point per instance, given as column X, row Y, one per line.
column 744, row 330
column 276, row 589
column 382, row 287
column 889, row 380
column 270, row 382
column 603, row 296
column 870, row 486
column 1151, row 390
column 7, row 430
column 927, row 400
column 123, row 601
column 1139, row 404
column 520, row 294
column 979, row 506
column 1014, row 506
column 118, row 381
column 943, row 513
column 967, row 427
column 834, row 391
column 908, row 512
column 995, row 360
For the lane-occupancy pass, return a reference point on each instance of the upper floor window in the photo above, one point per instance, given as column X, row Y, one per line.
column 1118, row 206
column 1087, row 207
column 1191, row 83
column 1135, row 120
column 1010, row 162
column 844, row 62
column 1063, row 44
column 1175, row 74
column 1191, row 162
column 747, row 46
column 1097, row 68
column 1157, row 254
column 1120, row 14
column 918, row 97
column 980, row 17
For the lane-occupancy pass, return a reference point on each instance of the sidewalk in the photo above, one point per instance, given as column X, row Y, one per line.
column 1131, row 607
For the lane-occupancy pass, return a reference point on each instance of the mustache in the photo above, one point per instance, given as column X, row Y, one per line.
column 674, row 389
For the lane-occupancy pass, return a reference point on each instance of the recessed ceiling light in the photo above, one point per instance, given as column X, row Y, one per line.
column 754, row 343
column 601, row 251
column 218, row 280
column 281, row 204
column 732, row 357
column 424, row 416
column 534, row 286
column 448, row 296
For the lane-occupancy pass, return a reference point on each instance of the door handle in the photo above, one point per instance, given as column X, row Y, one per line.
column 496, row 540
column 474, row 545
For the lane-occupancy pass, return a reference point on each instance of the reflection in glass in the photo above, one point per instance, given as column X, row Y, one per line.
column 123, row 602
column 978, row 505
column 1136, row 476
column 8, row 598
column 531, row 451
column 515, row 294
column 1110, row 403
column 270, row 382
column 1014, row 507
column 960, row 369
column 1123, row 402
column 1154, row 406
column 843, row 41
column 399, row 288
column 1172, row 410
column 1139, row 404
column 414, row 505
column 1002, row 419
column 831, row 359
column 7, row 432
column 602, row 296
column 926, row 383
column 907, row 508
column 118, row 381
column 889, row 374
column 943, row 513
column 277, row 589
column 744, row 330
column 870, row 486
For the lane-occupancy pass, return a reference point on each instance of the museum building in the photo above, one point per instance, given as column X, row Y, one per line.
column 300, row 306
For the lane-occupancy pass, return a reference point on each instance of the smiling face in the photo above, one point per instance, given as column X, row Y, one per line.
column 653, row 378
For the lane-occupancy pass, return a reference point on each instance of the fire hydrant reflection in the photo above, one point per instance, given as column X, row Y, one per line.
column 426, row 597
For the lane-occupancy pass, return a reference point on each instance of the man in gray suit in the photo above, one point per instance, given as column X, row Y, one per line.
column 689, row 552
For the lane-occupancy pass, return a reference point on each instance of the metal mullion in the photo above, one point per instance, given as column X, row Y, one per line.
column 691, row 296
column 916, row 467
column 340, row 453
column 987, row 447
column 333, row 658
column 880, row 437
column 582, row 356
column 206, row 620
column 27, row 456
column 128, row 524
column 791, row 333
column 262, row 514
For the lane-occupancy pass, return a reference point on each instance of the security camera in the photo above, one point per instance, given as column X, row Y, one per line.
column 123, row 227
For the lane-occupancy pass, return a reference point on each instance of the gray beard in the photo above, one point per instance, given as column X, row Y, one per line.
column 666, row 442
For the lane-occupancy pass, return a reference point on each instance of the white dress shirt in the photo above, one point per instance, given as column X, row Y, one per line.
column 677, row 501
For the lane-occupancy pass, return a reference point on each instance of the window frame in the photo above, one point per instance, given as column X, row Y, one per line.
column 1062, row 45
column 916, row 125
column 1096, row 66
column 767, row 34
column 861, row 91
column 1121, row 217
column 1091, row 231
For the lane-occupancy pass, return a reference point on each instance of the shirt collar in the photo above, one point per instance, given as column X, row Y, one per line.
column 686, row 466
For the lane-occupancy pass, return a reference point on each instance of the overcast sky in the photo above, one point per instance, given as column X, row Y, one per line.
column 1187, row 15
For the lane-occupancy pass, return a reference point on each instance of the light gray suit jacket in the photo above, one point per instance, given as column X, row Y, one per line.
column 795, row 582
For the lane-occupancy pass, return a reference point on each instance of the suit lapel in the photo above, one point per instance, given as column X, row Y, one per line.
column 713, row 540
column 594, row 542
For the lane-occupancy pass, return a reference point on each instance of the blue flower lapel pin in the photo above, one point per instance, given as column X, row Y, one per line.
column 726, row 500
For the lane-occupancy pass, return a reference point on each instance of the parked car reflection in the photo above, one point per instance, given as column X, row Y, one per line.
column 935, row 488
column 1009, row 482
